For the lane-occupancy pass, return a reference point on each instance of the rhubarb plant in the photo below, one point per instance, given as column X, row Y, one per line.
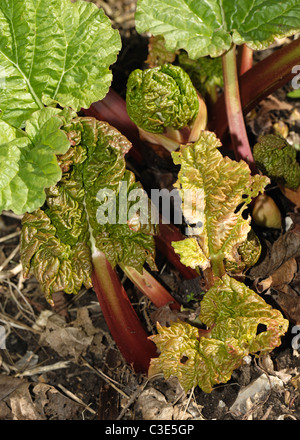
column 59, row 238
column 66, row 173
column 66, row 244
column 231, row 312
column 220, row 237
column 222, row 190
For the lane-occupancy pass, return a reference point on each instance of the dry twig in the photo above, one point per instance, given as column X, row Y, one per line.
column 76, row 398
column 44, row 369
column 108, row 379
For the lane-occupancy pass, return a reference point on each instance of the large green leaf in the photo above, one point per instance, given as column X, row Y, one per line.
column 233, row 312
column 59, row 241
column 210, row 27
column 28, row 160
column 53, row 51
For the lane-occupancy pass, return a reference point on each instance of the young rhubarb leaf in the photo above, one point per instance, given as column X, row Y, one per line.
column 57, row 265
column 276, row 158
column 161, row 97
column 247, row 254
column 59, row 242
column 211, row 27
column 215, row 192
column 53, row 52
column 233, row 312
column 28, row 160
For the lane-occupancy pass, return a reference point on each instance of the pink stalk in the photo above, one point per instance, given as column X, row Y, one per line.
column 236, row 123
column 150, row 287
column 245, row 59
column 264, row 78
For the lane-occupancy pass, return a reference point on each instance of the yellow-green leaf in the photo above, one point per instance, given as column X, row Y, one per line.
column 224, row 189
column 232, row 312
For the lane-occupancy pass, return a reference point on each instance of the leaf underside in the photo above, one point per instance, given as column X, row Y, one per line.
column 210, row 27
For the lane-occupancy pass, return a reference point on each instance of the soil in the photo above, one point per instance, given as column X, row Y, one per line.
column 67, row 367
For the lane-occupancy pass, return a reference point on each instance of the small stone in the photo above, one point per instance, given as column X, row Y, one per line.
column 253, row 393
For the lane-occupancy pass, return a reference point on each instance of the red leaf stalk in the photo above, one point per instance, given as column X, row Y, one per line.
column 235, row 117
column 245, row 59
column 123, row 322
column 264, row 78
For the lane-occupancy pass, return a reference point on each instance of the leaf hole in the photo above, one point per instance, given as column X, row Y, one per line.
column 238, row 208
column 184, row 359
column 261, row 328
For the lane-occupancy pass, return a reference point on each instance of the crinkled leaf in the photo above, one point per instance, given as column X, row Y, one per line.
column 220, row 189
column 58, row 242
column 210, row 27
column 122, row 238
column 247, row 255
column 194, row 362
column 276, row 158
column 28, row 160
column 161, row 97
column 191, row 254
column 55, row 264
column 53, row 51
column 233, row 312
